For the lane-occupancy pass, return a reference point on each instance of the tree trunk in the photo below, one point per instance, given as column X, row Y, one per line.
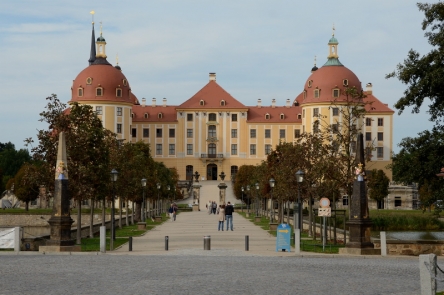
column 288, row 212
column 27, row 206
column 132, row 213
column 137, row 212
column 310, row 218
column 91, row 222
column 126, row 212
column 103, row 211
column 120, row 212
column 79, row 222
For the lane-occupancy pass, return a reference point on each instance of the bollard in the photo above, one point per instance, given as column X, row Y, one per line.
column 130, row 244
column 207, row 242
column 383, row 243
column 103, row 239
column 427, row 273
column 247, row 243
column 166, row 243
column 297, row 241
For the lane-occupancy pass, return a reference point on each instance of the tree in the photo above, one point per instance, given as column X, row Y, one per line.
column 424, row 75
column 26, row 184
column 87, row 150
column 378, row 184
column 11, row 160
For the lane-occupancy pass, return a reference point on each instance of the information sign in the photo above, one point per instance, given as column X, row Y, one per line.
column 283, row 234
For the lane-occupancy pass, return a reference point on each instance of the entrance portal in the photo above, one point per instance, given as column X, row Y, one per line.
column 212, row 172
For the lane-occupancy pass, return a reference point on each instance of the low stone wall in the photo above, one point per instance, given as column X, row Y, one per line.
column 412, row 248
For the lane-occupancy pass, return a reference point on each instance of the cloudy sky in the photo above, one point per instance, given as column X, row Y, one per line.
column 258, row 49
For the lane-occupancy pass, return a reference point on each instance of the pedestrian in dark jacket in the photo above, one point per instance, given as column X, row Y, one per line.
column 229, row 215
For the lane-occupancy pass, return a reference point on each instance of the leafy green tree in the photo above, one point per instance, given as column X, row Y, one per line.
column 26, row 184
column 424, row 74
column 11, row 160
column 378, row 184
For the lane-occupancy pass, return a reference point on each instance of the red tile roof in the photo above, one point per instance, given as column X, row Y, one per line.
column 168, row 113
column 212, row 95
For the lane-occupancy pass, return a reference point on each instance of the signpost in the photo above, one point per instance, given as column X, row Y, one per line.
column 283, row 234
column 324, row 211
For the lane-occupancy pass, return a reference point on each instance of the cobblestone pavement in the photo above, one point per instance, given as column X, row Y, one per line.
column 205, row 272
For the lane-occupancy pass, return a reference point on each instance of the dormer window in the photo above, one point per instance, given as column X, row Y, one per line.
column 335, row 93
column 80, row 92
column 222, row 103
column 282, row 116
column 132, row 115
column 146, row 115
column 99, row 91
column 299, row 116
column 160, row 116
column 89, row 81
column 267, row 116
column 125, row 83
column 310, row 83
column 201, row 102
column 305, row 94
column 317, row 93
column 119, row 92
column 345, row 82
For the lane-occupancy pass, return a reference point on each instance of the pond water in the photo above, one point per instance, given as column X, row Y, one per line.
column 411, row 235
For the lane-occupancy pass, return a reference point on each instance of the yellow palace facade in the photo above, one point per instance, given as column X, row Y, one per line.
column 214, row 132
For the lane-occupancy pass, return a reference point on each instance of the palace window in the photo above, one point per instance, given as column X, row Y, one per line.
column 252, row 149
column 211, row 131
column 380, row 121
column 189, row 117
column 172, row 149
column 234, row 117
column 118, row 92
column 335, row 111
column 233, row 133
column 317, row 93
column 368, row 122
column 267, row 149
column 281, row 133
column 212, row 117
column 99, row 110
column 335, row 92
column 380, row 152
column 234, row 149
column 89, row 81
column 134, row 132
column 146, row 132
column 368, row 136
column 297, row 133
column 159, row 149
column 267, row 133
column 252, row 133
column 119, row 128
column 380, row 136
column 159, row 132
column 99, row 91
column 119, row 111
column 189, row 133
column 80, row 92
column 172, row 133
column 189, row 149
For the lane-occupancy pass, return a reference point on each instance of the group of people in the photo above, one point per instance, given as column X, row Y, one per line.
column 211, row 207
column 172, row 211
column 225, row 212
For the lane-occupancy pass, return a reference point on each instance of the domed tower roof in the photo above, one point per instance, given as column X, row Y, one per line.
column 101, row 81
column 327, row 83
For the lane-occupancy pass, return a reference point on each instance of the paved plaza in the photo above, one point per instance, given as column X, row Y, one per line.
column 188, row 269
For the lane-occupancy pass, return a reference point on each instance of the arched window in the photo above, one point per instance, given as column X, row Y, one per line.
column 305, row 94
column 310, row 82
column 132, row 115
column 99, row 91
column 345, row 82
column 212, row 117
column 118, row 92
column 89, row 81
column 211, row 131
column 201, row 102
column 317, row 93
column 146, row 115
column 222, row 103
column 234, row 170
column 282, row 116
column 189, row 172
column 160, row 116
column 80, row 92
column 125, row 83
column 267, row 116
column 299, row 116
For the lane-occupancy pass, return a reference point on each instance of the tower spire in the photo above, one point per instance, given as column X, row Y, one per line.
column 92, row 55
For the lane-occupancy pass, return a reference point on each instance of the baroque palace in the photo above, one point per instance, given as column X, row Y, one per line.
column 214, row 132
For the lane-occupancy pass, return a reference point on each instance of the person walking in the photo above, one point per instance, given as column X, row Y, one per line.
column 172, row 211
column 221, row 213
column 214, row 207
column 209, row 207
column 229, row 215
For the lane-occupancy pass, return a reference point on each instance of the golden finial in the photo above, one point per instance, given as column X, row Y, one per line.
column 117, row 58
column 333, row 30
column 100, row 28
column 315, row 60
column 92, row 14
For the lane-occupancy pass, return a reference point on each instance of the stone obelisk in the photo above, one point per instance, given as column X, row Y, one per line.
column 359, row 224
column 61, row 221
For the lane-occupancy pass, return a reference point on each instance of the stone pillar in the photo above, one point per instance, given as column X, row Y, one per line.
column 61, row 221
column 197, row 187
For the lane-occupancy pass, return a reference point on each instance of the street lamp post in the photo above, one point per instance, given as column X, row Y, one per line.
column 114, row 174
column 257, row 199
column 143, row 212
column 299, row 178
column 242, row 200
column 272, row 183
column 196, row 179
column 158, row 199
column 248, row 202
